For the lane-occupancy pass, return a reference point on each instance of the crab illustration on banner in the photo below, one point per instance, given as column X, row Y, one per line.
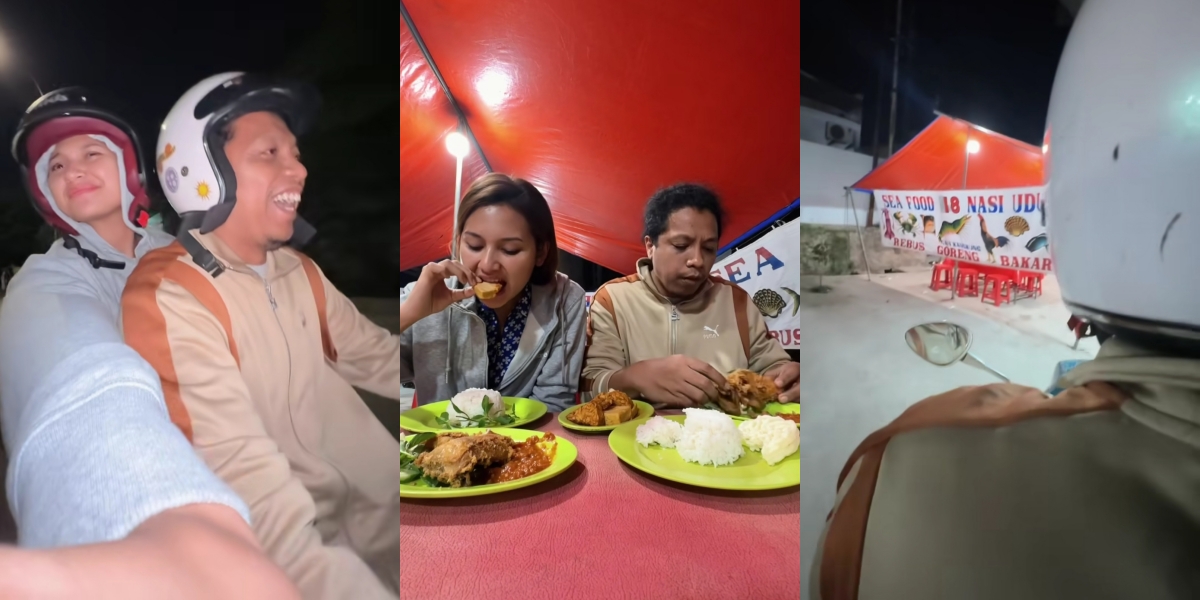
column 1001, row 227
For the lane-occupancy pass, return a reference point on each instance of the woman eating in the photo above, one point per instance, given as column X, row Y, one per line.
column 498, row 314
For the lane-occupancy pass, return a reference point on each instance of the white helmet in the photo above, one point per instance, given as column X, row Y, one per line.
column 1123, row 138
column 190, row 155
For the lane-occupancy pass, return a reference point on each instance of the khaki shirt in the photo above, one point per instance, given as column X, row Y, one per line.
column 631, row 320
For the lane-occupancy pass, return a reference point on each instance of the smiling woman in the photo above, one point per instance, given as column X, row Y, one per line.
column 533, row 324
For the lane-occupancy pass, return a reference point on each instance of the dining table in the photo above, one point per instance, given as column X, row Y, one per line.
column 602, row 530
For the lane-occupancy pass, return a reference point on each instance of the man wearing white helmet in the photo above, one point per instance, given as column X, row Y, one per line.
column 999, row 492
column 257, row 351
column 108, row 497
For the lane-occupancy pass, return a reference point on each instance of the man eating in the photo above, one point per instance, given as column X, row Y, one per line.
column 671, row 333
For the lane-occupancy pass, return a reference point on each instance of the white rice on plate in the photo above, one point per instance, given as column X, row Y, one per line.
column 470, row 401
column 775, row 437
column 709, row 437
column 659, row 430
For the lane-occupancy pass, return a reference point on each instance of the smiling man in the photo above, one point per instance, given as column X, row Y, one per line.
column 671, row 333
column 257, row 351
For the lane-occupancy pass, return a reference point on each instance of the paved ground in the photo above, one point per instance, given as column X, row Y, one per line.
column 858, row 373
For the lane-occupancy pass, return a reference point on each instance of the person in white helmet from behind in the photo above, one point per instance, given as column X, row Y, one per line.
column 257, row 351
column 106, row 492
column 999, row 492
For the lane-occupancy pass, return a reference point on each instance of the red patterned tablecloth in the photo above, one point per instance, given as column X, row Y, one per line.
column 602, row 530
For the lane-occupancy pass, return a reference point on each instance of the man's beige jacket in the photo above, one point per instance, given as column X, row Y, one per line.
column 630, row 320
column 260, row 382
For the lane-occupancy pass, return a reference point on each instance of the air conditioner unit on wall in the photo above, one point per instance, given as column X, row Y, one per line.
column 840, row 136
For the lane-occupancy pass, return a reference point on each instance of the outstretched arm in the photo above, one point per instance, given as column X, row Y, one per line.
column 80, row 410
column 194, row 552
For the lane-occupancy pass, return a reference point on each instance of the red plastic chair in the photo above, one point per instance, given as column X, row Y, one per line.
column 1031, row 281
column 968, row 282
column 942, row 274
column 997, row 288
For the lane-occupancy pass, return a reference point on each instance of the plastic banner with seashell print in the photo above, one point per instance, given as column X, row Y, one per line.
column 769, row 270
column 1005, row 228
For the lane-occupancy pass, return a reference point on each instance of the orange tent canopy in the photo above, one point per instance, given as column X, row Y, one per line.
column 936, row 158
column 599, row 104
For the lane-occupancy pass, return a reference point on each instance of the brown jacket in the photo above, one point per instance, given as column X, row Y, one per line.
column 271, row 409
column 630, row 321
column 999, row 492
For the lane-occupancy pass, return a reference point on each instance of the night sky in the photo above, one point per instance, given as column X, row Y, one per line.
column 149, row 53
column 991, row 63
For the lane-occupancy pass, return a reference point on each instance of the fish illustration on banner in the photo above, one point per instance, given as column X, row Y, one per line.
column 954, row 227
column 1036, row 243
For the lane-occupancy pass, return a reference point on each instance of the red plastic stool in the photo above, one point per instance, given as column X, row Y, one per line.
column 968, row 282
column 1031, row 282
column 997, row 288
column 942, row 273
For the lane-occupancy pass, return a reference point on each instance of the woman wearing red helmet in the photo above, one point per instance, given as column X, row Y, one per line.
column 95, row 460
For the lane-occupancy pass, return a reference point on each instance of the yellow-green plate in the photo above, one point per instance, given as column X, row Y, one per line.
column 775, row 408
column 645, row 411
column 424, row 418
column 750, row 472
column 564, row 457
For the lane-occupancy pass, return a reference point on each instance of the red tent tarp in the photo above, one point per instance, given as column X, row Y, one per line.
column 934, row 160
column 599, row 104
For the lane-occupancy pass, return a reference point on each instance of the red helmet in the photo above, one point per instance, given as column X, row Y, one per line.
column 68, row 112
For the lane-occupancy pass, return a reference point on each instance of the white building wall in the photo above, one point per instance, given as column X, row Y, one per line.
column 813, row 123
column 824, row 173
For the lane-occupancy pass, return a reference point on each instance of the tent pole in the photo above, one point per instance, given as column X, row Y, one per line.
column 966, row 166
column 861, row 242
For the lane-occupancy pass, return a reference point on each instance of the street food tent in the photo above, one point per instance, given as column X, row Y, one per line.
column 934, row 160
column 964, row 193
column 598, row 104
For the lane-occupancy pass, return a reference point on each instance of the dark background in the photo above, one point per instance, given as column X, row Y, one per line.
column 148, row 53
column 991, row 63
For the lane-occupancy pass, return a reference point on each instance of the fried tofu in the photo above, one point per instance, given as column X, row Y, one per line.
column 486, row 290
column 617, row 415
column 594, row 413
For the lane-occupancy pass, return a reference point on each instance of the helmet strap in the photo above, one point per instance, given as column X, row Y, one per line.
column 97, row 263
column 200, row 255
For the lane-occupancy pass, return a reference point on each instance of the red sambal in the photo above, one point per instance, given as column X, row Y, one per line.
column 527, row 459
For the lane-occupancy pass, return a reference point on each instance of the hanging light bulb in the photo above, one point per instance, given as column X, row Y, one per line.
column 457, row 144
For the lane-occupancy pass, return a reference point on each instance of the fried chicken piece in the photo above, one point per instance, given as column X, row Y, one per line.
column 752, row 389
column 456, row 457
column 746, row 389
column 590, row 414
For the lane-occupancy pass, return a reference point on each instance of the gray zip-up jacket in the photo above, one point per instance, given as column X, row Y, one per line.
column 446, row 353
column 92, row 450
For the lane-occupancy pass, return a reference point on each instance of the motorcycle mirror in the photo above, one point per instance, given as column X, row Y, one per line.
column 944, row 344
column 941, row 343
